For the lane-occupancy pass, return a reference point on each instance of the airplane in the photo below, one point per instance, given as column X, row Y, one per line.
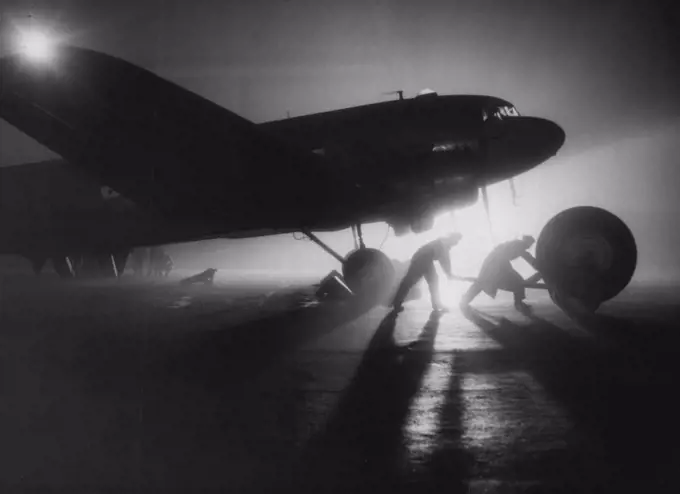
column 192, row 170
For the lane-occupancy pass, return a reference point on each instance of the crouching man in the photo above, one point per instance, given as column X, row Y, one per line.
column 497, row 273
column 423, row 266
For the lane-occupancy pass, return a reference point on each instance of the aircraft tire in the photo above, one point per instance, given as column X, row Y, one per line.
column 37, row 264
column 586, row 254
column 369, row 273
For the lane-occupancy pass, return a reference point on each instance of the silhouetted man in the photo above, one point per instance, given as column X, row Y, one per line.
column 497, row 273
column 422, row 265
column 165, row 265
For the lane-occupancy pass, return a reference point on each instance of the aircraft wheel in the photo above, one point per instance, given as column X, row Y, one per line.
column 586, row 255
column 369, row 273
column 37, row 263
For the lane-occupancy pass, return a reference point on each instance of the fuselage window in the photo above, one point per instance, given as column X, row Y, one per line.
column 462, row 145
column 500, row 113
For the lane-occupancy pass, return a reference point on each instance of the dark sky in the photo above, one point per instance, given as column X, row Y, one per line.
column 607, row 71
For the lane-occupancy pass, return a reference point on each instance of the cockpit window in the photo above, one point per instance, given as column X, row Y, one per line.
column 500, row 112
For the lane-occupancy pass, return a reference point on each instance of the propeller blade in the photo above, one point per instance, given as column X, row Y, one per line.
column 485, row 200
column 513, row 192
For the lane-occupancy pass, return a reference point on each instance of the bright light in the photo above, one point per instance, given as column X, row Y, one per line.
column 37, row 46
column 467, row 257
column 472, row 222
column 451, row 292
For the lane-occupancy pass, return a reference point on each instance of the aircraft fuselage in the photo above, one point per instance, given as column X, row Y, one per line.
column 193, row 170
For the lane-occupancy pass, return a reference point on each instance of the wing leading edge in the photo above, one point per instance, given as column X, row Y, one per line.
column 162, row 145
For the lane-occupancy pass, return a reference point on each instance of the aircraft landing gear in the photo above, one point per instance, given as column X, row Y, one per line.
column 367, row 272
column 37, row 263
column 63, row 265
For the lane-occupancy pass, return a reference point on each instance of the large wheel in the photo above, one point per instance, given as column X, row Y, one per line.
column 37, row 263
column 368, row 273
column 587, row 255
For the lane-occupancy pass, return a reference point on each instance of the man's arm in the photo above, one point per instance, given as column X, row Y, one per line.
column 529, row 259
column 445, row 262
column 534, row 278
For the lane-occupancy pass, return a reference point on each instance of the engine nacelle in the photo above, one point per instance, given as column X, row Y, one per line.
column 437, row 198
column 586, row 255
column 422, row 223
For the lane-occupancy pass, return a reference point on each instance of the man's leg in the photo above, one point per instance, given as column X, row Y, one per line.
column 474, row 290
column 433, row 285
column 409, row 280
column 519, row 293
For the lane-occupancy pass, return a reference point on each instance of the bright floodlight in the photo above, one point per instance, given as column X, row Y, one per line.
column 37, row 46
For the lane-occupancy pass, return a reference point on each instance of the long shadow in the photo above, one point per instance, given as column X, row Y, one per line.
column 215, row 355
column 448, row 468
column 652, row 335
column 362, row 448
column 261, row 340
column 624, row 401
column 199, row 390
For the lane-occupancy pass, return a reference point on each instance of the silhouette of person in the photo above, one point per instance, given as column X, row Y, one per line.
column 422, row 265
column 160, row 262
column 497, row 273
column 166, row 265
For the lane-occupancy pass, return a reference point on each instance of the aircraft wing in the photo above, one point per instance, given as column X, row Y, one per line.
column 161, row 145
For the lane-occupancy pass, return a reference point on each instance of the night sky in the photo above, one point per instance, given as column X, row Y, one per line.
column 606, row 71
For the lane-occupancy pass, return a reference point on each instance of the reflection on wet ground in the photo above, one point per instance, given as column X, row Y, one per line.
column 139, row 387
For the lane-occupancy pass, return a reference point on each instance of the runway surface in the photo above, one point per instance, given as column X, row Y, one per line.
column 251, row 387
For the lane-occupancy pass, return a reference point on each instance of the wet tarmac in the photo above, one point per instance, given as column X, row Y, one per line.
column 251, row 387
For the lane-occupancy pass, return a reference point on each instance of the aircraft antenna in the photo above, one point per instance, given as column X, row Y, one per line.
column 400, row 92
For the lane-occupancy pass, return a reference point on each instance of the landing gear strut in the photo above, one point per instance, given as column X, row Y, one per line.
column 358, row 237
column 367, row 272
column 109, row 265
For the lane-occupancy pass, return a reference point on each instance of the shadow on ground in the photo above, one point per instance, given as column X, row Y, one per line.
column 620, row 386
column 362, row 448
column 126, row 403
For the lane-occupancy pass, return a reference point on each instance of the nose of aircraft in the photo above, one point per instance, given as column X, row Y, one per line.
column 520, row 143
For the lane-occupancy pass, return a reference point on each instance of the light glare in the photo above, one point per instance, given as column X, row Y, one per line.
column 37, row 46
